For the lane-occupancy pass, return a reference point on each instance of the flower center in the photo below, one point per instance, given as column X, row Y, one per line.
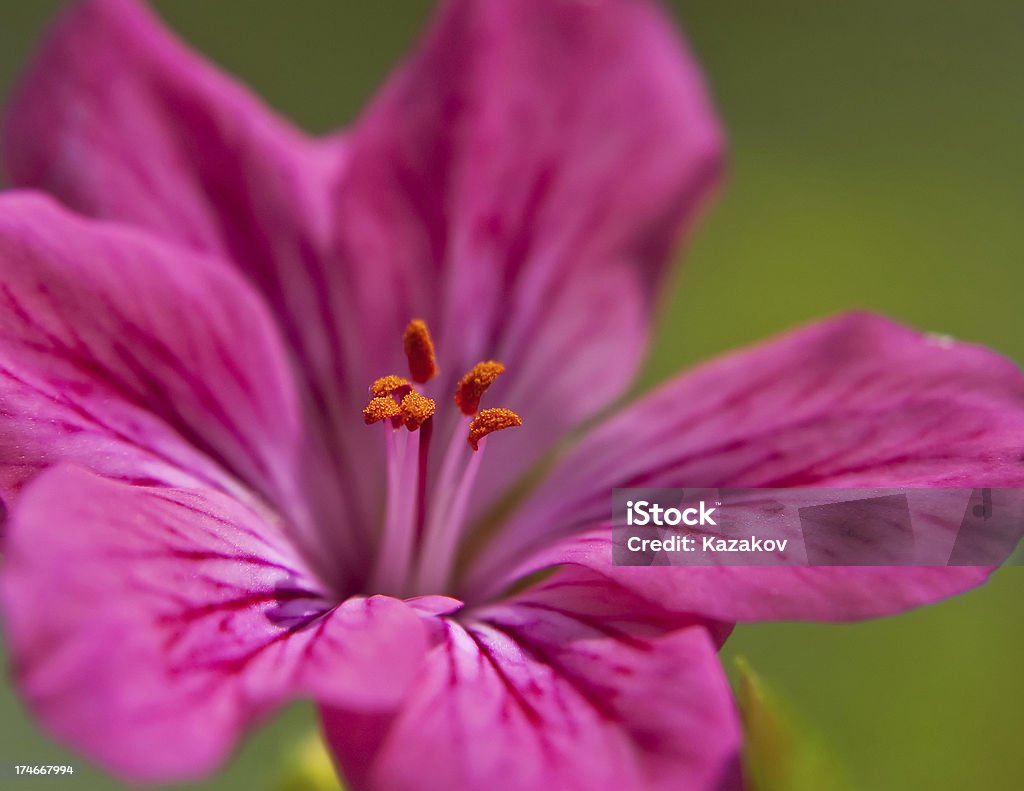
column 419, row 539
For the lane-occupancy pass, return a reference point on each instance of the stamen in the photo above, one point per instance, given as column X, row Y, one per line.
column 389, row 385
column 438, row 558
column 490, row 420
column 444, row 526
column 416, row 409
column 424, row 522
column 474, row 384
column 419, row 350
column 381, row 408
column 395, row 550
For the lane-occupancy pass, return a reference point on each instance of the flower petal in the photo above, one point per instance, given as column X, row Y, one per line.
column 519, row 184
column 119, row 120
column 594, row 598
column 858, row 401
column 149, row 626
column 537, row 693
column 102, row 324
column 141, row 360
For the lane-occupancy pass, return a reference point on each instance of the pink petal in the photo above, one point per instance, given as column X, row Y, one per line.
column 139, row 359
column 119, row 120
column 147, row 362
column 539, row 693
column 519, row 184
column 150, row 626
column 596, row 599
column 858, row 401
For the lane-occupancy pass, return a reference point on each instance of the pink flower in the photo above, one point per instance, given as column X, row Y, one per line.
column 200, row 524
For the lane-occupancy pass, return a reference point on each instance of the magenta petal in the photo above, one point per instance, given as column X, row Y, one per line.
column 858, row 401
column 743, row 594
column 519, row 183
column 602, row 602
column 138, row 359
column 119, row 120
column 149, row 626
column 529, row 695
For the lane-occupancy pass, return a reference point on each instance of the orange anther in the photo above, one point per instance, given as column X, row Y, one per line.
column 474, row 384
column 490, row 420
column 416, row 409
column 381, row 408
column 419, row 350
column 387, row 385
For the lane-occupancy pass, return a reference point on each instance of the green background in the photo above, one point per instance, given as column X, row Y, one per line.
column 875, row 162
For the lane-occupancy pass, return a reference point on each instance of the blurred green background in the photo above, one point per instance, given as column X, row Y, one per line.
column 875, row 162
